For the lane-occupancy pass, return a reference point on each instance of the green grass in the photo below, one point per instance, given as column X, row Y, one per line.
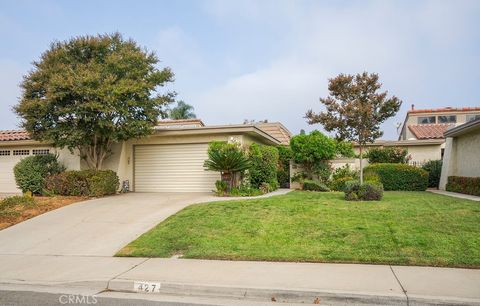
column 406, row 228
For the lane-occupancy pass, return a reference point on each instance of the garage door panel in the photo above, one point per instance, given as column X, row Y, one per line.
column 173, row 168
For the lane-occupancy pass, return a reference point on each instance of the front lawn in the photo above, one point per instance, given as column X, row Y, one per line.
column 405, row 228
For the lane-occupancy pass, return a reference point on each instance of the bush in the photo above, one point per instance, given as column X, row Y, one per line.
column 83, row 183
column 344, row 149
column 368, row 191
column 387, row 155
column 245, row 191
column 283, row 170
column 314, row 186
column 399, row 176
column 343, row 172
column 339, row 183
column 30, row 172
column 462, row 184
column 434, row 169
column 263, row 165
column 221, row 187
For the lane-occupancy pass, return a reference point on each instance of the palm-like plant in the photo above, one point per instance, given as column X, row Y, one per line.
column 182, row 111
column 226, row 158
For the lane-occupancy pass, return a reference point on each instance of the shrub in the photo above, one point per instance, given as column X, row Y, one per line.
column 344, row 171
column 30, row 172
column 387, row 155
column 244, row 191
column 263, row 165
column 83, row 183
column 339, row 183
column 434, row 169
column 462, row 184
column 221, row 187
column 314, row 186
column 399, row 176
column 345, row 149
column 283, row 170
column 368, row 191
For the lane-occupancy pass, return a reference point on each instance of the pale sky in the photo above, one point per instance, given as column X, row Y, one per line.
column 237, row 60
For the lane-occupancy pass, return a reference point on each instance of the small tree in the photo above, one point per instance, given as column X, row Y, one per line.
column 182, row 111
column 90, row 92
column 355, row 109
column 226, row 158
column 313, row 151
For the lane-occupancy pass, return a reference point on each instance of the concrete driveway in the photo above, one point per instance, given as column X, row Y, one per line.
column 98, row 227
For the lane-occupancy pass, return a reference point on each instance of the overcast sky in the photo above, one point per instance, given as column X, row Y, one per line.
column 236, row 60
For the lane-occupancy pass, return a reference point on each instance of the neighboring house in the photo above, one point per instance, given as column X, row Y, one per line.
column 170, row 160
column 462, row 152
column 423, row 131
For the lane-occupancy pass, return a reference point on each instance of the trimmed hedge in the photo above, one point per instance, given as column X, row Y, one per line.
column 92, row 183
column 31, row 172
column 399, row 176
column 368, row 191
column 263, row 165
column 387, row 155
column 463, row 184
column 434, row 169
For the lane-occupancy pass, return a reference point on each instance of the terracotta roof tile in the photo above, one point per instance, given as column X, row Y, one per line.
column 170, row 122
column 11, row 135
column 444, row 109
column 429, row 131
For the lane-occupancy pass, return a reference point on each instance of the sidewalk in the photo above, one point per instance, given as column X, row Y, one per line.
column 249, row 281
column 455, row 194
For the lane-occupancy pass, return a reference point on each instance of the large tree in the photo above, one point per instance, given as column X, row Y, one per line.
column 182, row 111
column 90, row 92
column 355, row 108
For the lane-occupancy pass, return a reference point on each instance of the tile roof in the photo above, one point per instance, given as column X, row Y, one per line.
column 276, row 130
column 180, row 123
column 12, row 135
column 429, row 131
column 444, row 109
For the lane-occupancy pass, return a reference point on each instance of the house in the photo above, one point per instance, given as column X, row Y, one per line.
column 169, row 160
column 462, row 152
column 422, row 132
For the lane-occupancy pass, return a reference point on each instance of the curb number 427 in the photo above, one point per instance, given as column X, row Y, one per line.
column 146, row 287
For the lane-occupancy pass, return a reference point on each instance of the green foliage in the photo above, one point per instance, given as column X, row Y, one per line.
column 221, row 186
column 399, row 176
column 93, row 183
column 344, row 149
column 338, row 184
column 30, row 172
column 312, row 185
column 434, row 169
column 246, row 191
column 283, row 171
column 263, row 165
column 368, row 191
column 462, row 184
column 182, row 111
column 387, row 155
column 90, row 92
column 344, row 171
column 312, row 151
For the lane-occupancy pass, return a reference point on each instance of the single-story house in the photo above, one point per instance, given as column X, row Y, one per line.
column 462, row 152
column 169, row 160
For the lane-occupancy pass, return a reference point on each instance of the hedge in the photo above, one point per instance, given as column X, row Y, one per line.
column 399, row 176
column 312, row 185
column 263, row 165
column 93, row 183
column 387, row 155
column 368, row 191
column 283, row 170
column 463, row 184
column 31, row 172
column 434, row 169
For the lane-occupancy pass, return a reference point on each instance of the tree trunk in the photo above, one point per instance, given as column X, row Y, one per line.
column 95, row 154
column 361, row 163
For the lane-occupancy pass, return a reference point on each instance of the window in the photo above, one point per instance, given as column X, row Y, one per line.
column 40, row 151
column 447, row 119
column 4, row 152
column 426, row 120
column 21, row 152
column 472, row 117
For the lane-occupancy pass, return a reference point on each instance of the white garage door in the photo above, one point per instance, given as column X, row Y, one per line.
column 8, row 159
column 173, row 168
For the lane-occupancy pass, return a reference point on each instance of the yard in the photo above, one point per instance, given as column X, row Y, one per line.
column 405, row 228
column 13, row 213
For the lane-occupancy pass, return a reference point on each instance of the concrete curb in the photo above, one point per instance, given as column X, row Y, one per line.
column 267, row 294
